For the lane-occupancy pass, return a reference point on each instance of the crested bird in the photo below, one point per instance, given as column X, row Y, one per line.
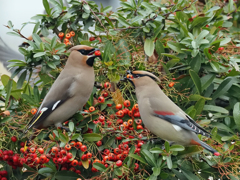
column 162, row 116
column 69, row 92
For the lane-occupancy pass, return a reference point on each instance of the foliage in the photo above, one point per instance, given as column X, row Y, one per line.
column 196, row 50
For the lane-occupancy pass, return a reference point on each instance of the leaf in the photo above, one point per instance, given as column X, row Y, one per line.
column 167, row 146
column 149, row 47
column 196, row 80
column 236, row 114
column 8, row 91
column 46, row 6
column 159, row 48
column 207, row 80
column 54, row 42
column 36, row 27
column 221, row 126
column 92, row 137
column 222, row 88
column 85, row 164
column 63, row 138
column 156, row 150
column 215, row 66
column 39, row 54
column 177, row 147
column 106, row 9
column 99, row 166
column 36, row 94
column 13, row 34
column 175, row 46
column 123, row 22
column 51, row 65
column 21, row 79
column 156, row 171
column 199, row 106
column 149, row 157
column 71, row 126
column 137, row 158
column 36, row 38
column 225, row 41
column 45, row 170
column 66, row 175
column 189, row 175
column 215, row 109
column 169, row 161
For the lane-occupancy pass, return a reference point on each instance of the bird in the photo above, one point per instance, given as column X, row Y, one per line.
column 162, row 116
column 69, row 92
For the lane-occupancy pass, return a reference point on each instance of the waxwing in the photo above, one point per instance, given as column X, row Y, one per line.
column 163, row 117
column 69, row 92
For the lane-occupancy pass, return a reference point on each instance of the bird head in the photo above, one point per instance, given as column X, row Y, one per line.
column 85, row 53
column 138, row 78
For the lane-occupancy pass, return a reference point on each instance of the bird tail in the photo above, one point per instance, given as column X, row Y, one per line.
column 209, row 148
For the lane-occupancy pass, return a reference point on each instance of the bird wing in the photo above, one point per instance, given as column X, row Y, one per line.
column 58, row 94
column 172, row 113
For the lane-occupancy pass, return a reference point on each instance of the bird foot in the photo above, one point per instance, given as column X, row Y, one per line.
column 67, row 129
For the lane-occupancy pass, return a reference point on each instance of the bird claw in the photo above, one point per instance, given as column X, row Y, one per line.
column 67, row 129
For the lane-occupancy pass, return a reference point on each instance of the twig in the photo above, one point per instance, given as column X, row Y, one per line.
column 96, row 17
column 121, row 29
column 17, row 31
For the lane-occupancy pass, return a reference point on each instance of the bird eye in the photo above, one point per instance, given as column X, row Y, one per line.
column 129, row 76
column 83, row 52
column 136, row 76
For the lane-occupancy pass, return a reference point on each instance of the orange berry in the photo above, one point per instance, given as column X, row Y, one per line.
column 68, row 36
column 61, row 35
column 135, row 106
column 107, row 85
column 138, row 121
column 73, row 143
column 91, row 109
column 6, row 113
column 118, row 106
column 66, row 40
column 171, row 84
column 72, row 33
column 78, row 145
column 67, row 43
column 33, row 111
column 130, row 122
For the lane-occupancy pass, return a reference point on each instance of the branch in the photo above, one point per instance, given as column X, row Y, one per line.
column 17, row 31
column 96, row 17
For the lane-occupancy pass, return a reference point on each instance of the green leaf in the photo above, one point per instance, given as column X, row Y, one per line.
column 71, row 126
column 36, row 38
column 177, row 147
column 149, row 157
column 156, row 150
column 199, row 106
column 137, row 158
column 8, row 91
column 156, row 171
column 46, row 6
column 13, row 34
column 215, row 66
column 222, row 88
column 159, row 48
column 54, row 42
column 39, row 54
column 36, row 94
column 106, row 9
column 51, row 65
column 196, row 80
column 215, row 109
column 225, row 41
column 99, row 166
column 92, row 137
column 169, row 161
column 123, row 22
column 36, row 27
column 207, row 80
column 63, row 138
column 66, row 175
column 149, row 47
column 236, row 114
column 45, row 171
column 189, row 175
column 21, row 79
column 175, row 46
column 167, row 146
column 118, row 171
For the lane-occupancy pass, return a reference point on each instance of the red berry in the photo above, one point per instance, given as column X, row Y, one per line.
column 119, row 163
column 32, row 150
column 109, row 105
column 138, row 121
column 69, row 155
column 99, row 143
column 89, row 155
column 101, row 99
column 40, row 150
column 118, row 106
column 84, row 157
column 91, row 39
column 221, row 48
column 14, row 139
column 107, row 85
column 78, row 145
column 97, row 53
column 22, row 144
column 127, row 103
column 105, row 94
column 54, row 150
column 68, row 147
column 74, row 162
column 83, row 148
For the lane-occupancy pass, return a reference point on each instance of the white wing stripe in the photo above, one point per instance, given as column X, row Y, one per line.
column 55, row 105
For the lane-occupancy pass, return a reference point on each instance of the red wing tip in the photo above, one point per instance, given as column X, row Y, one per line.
column 216, row 154
column 164, row 113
